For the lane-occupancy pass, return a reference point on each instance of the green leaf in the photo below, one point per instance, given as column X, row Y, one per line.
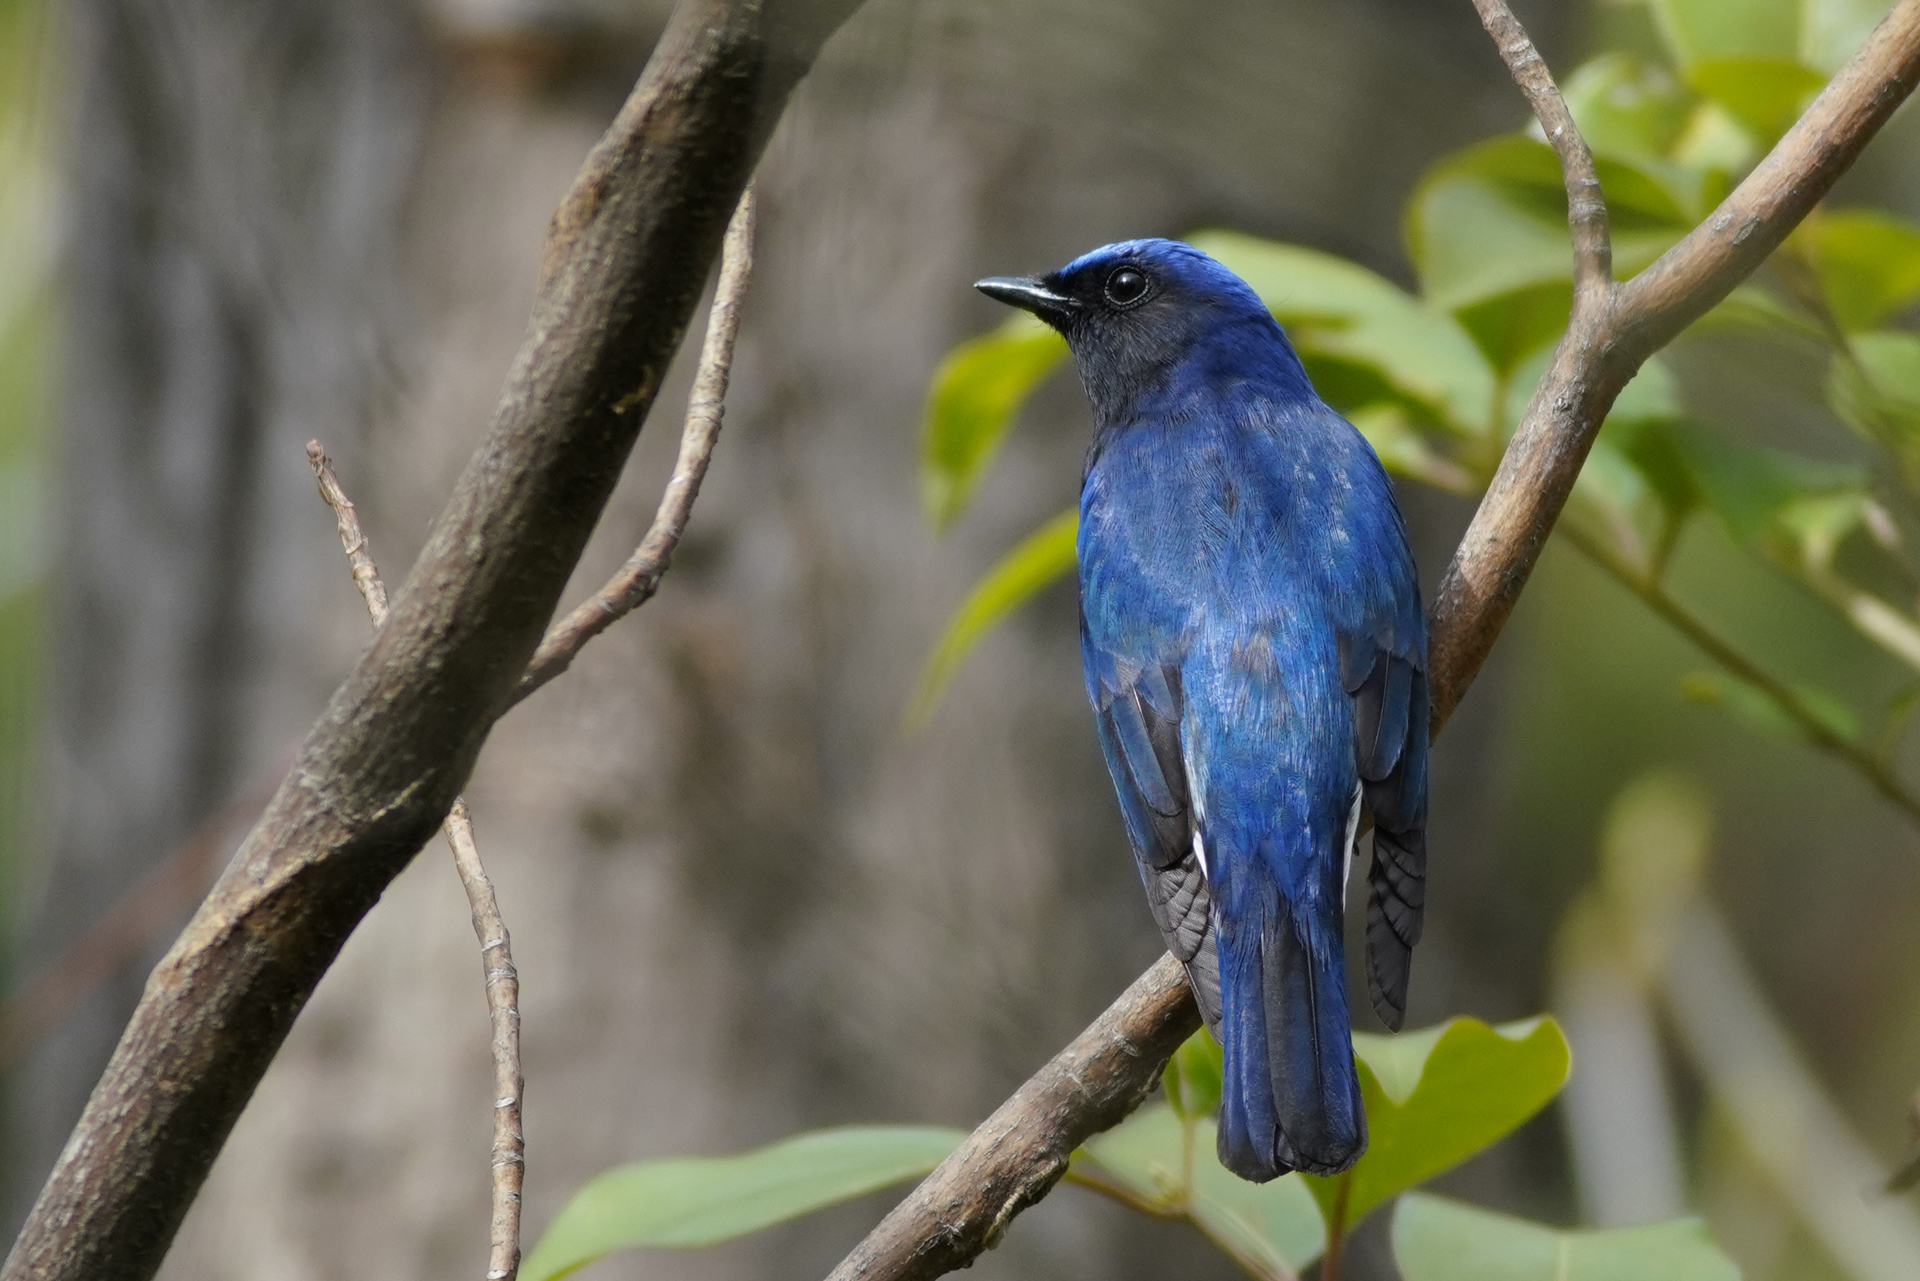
column 1749, row 309
column 1628, row 107
column 1765, row 94
column 975, row 393
column 1877, row 393
column 1338, row 310
column 1192, row 1078
column 1437, row 1096
column 1435, row 1239
column 1042, row 557
column 1403, row 451
column 1170, row 1168
column 1512, row 326
column 1760, row 712
column 1652, row 394
column 1492, row 220
column 23, row 550
column 1703, row 30
column 1752, row 488
column 1868, row 263
column 1716, row 143
column 695, row 1201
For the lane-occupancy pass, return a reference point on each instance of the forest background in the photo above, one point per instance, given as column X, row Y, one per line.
column 746, row 901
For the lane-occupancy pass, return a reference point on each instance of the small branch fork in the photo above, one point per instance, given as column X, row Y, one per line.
column 624, row 266
column 496, row 949
column 1010, row 1162
column 626, row 591
column 639, row 578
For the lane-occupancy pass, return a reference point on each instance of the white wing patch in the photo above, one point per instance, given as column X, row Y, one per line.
column 1197, row 798
column 1353, row 838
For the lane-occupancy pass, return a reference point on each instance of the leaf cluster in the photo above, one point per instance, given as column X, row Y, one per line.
column 1437, row 377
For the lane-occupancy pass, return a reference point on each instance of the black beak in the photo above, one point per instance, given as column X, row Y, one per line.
column 1030, row 294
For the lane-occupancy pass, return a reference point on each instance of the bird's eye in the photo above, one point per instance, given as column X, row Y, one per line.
column 1127, row 286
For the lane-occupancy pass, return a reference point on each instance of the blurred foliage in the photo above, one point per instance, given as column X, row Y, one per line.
column 695, row 1201
column 1434, row 1098
column 25, row 350
column 1435, row 1239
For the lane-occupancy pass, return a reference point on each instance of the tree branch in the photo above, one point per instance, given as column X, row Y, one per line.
column 1586, row 208
column 508, row 1160
column 1020, row 1152
column 963, row 1206
column 502, row 983
column 624, row 266
column 638, row 579
column 1605, row 345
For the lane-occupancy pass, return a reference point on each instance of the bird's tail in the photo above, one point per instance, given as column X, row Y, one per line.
column 1290, row 1099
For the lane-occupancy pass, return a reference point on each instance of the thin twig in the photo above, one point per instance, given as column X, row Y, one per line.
column 496, row 951
column 1181, row 1212
column 1788, row 700
column 1586, row 208
column 503, row 1010
column 963, row 1207
column 639, row 578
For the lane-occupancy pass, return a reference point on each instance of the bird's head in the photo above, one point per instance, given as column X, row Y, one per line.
column 1135, row 311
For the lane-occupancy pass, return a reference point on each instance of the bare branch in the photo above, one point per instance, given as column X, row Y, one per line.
column 625, row 263
column 1586, row 209
column 963, row 1206
column 508, row 1160
column 1020, row 1152
column 366, row 575
column 502, row 981
column 638, row 579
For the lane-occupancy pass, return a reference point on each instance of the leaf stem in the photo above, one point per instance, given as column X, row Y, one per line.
column 1746, row 669
column 1336, row 1229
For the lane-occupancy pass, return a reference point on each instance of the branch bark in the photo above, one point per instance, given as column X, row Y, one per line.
column 963, row 1207
column 636, row 581
column 502, row 981
column 1016, row 1156
column 625, row 263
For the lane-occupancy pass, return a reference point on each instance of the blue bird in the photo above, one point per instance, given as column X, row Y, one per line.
column 1256, row 658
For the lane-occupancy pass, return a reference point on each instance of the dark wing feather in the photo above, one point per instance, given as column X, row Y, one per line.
column 1390, row 717
column 1140, row 731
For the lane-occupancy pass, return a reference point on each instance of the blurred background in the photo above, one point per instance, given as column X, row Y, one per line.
column 744, row 901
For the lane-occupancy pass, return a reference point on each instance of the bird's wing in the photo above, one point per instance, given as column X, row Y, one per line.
column 1138, row 708
column 1384, row 677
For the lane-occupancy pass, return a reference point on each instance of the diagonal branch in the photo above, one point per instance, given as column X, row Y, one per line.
column 1016, row 1155
column 625, row 263
column 962, row 1208
column 1605, row 346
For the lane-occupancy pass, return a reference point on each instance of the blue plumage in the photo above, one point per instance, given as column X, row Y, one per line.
column 1255, row 655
